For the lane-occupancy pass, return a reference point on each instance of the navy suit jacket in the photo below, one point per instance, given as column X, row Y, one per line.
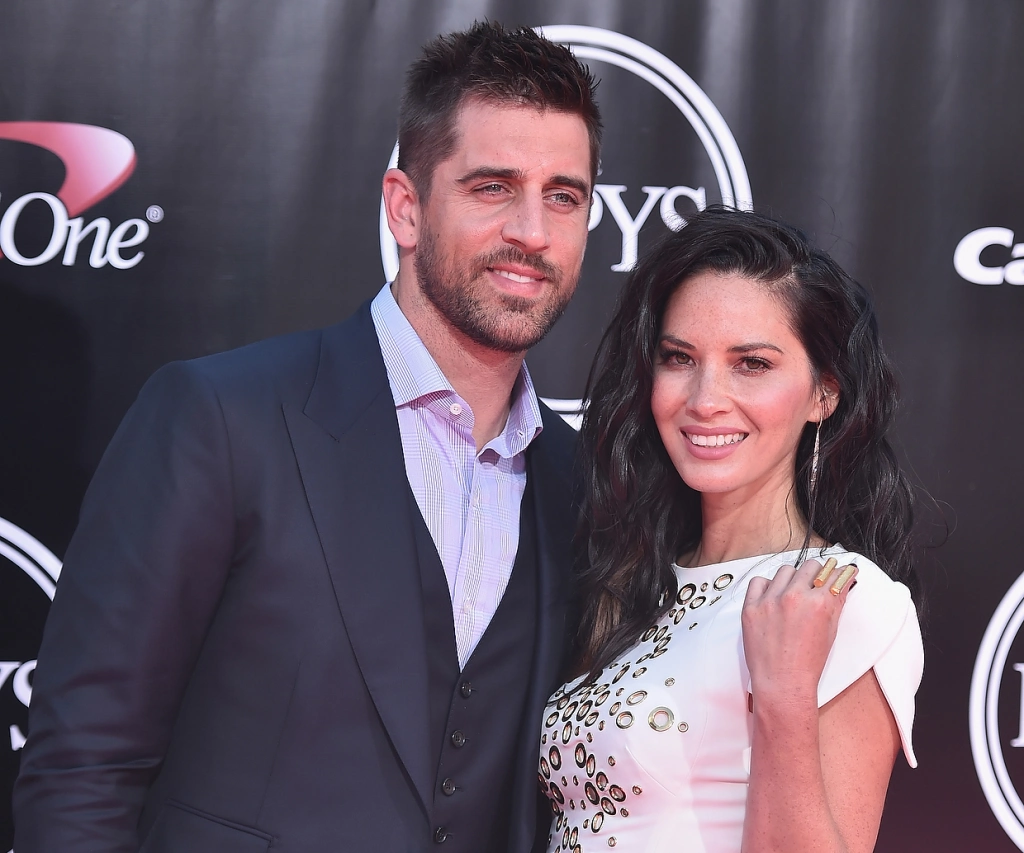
column 234, row 659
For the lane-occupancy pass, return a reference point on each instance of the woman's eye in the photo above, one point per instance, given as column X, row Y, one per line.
column 755, row 364
column 675, row 357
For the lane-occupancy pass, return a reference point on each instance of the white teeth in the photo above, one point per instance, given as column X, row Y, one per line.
column 523, row 279
column 715, row 440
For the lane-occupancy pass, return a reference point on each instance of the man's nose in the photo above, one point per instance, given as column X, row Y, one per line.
column 527, row 225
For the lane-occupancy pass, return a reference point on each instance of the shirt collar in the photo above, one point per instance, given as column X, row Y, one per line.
column 412, row 371
column 524, row 420
column 413, row 374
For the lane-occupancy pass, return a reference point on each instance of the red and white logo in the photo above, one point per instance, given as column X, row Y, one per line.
column 96, row 161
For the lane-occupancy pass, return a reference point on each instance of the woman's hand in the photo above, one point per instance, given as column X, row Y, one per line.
column 817, row 777
column 789, row 624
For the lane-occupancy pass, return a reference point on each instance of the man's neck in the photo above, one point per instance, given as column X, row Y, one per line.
column 481, row 376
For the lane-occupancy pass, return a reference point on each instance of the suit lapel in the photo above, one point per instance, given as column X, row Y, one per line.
column 348, row 447
column 349, row 452
column 549, row 469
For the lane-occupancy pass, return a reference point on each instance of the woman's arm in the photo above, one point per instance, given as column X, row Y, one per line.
column 817, row 777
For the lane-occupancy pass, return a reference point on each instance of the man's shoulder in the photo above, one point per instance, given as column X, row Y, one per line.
column 283, row 367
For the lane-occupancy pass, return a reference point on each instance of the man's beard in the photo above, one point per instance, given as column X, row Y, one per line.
column 499, row 321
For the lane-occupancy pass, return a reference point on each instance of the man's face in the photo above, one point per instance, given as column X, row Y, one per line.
column 503, row 232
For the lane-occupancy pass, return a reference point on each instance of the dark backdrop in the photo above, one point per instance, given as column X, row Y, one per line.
column 260, row 130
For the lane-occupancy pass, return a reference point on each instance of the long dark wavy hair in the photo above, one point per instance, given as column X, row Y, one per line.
column 638, row 515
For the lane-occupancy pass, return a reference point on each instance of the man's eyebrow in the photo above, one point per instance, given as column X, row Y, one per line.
column 491, row 172
column 578, row 184
column 509, row 174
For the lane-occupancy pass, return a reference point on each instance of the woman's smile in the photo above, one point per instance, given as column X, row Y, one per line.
column 733, row 387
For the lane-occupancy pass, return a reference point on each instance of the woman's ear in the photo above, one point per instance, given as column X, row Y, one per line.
column 828, row 390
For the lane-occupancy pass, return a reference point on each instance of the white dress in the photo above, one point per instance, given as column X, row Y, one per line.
column 656, row 756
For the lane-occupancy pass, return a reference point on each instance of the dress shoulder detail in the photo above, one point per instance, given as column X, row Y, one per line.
column 878, row 629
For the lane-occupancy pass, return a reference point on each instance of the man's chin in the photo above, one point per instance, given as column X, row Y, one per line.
column 525, row 329
column 505, row 331
column 520, row 306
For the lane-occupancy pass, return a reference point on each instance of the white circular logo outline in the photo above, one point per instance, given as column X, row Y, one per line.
column 661, row 72
column 983, row 722
column 30, row 555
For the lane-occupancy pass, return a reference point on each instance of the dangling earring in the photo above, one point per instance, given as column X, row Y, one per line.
column 815, row 452
column 814, row 464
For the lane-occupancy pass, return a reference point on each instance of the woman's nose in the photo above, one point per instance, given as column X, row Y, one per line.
column 709, row 393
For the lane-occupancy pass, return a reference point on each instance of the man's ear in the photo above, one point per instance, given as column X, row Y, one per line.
column 402, row 206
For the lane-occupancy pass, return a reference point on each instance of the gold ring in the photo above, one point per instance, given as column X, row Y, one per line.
column 845, row 574
column 826, row 570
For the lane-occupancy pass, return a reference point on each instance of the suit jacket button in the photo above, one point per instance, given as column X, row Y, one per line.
column 466, row 689
column 440, row 835
column 448, row 786
column 458, row 739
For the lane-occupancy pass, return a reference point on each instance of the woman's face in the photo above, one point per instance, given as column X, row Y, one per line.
column 733, row 386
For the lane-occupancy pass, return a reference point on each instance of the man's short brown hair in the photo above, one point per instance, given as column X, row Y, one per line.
column 507, row 66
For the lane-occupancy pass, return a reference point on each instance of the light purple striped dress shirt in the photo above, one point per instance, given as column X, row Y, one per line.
column 470, row 501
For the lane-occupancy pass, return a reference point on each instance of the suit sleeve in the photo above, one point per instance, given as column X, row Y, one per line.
column 140, row 582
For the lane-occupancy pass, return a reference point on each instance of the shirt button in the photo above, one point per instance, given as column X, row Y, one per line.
column 455, row 409
column 448, row 787
column 458, row 739
column 440, row 835
column 466, row 689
